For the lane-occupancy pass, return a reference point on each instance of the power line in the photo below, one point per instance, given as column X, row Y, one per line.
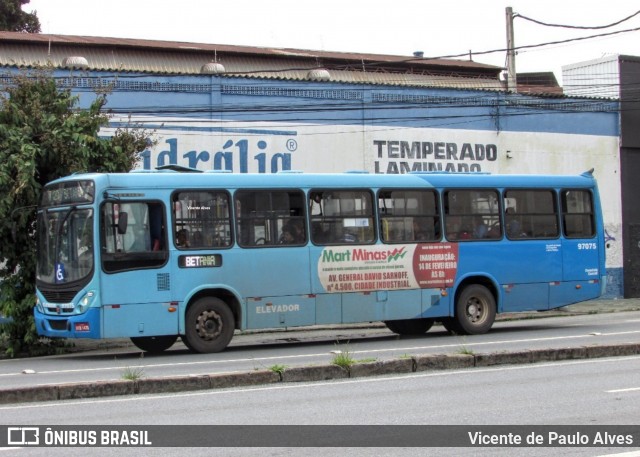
column 577, row 26
column 529, row 46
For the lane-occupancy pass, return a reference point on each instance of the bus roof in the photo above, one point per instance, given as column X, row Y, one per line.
column 172, row 179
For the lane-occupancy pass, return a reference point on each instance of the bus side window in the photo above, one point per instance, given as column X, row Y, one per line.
column 578, row 219
column 409, row 216
column 140, row 243
column 270, row 218
column 342, row 217
column 472, row 214
column 530, row 214
column 201, row 219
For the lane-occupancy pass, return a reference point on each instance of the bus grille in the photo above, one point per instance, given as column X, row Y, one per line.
column 58, row 324
column 57, row 296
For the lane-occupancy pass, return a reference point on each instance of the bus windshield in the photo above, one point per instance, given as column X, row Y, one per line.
column 65, row 244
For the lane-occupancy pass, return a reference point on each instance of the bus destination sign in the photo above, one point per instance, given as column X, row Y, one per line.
column 200, row 261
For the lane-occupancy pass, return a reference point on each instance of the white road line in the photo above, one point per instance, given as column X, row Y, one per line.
column 624, row 454
column 470, row 344
column 309, row 385
column 410, row 349
column 630, row 389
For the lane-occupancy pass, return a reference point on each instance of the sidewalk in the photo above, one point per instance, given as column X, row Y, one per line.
column 604, row 306
column 313, row 373
column 614, row 305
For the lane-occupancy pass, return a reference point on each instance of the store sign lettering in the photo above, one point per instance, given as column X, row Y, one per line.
column 396, row 157
column 235, row 156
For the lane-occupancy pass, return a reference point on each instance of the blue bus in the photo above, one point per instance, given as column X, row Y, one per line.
column 158, row 255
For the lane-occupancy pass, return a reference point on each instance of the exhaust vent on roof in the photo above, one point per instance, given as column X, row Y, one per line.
column 319, row 74
column 75, row 62
column 212, row 68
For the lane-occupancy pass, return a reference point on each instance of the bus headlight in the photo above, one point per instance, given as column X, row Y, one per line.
column 85, row 301
column 39, row 306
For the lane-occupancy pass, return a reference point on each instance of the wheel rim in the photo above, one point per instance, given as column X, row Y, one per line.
column 209, row 325
column 476, row 310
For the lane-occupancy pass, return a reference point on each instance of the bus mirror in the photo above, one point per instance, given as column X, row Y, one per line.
column 123, row 220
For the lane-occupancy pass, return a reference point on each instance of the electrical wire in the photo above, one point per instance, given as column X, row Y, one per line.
column 529, row 46
column 330, row 112
column 598, row 27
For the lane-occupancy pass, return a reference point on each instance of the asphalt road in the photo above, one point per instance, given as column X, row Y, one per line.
column 597, row 392
column 261, row 351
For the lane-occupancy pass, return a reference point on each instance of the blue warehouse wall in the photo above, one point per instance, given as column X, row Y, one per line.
column 247, row 125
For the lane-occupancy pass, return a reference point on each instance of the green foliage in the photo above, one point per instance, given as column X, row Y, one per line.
column 343, row 358
column 13, row 19
column 465, row 351
column 279, row 369
column 43, row 136
column 132, row 374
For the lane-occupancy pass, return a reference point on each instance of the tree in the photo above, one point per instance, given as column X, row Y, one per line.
column 13, row 19
column 43, row 136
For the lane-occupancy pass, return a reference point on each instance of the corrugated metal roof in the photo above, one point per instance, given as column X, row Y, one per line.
column 163, row 57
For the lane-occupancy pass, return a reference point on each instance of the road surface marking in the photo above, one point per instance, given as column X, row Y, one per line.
column 312, row 384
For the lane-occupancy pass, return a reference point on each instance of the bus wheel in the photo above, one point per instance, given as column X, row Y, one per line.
column 410, row 326
column 154, row 344
column 475, row 311
column 209, row 325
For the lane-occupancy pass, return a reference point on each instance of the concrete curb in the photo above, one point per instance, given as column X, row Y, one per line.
column 413, row 364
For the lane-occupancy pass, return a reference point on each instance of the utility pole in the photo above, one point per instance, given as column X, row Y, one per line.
column 512, row 83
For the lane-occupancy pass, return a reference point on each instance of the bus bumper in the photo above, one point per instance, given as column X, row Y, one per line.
column 85, row 325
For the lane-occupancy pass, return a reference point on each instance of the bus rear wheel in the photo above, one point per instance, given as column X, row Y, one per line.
column 410, row 326
column 475, row 311
column 154, row 344
column 209, row 325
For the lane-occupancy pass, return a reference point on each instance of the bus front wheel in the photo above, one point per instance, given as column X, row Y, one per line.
column 475, row 311
column 154, row 344
column 209, row 325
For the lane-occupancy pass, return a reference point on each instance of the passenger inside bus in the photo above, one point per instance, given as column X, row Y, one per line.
column 156, row 227
column 315, row 204
column 480, row 229
column 182, row 238
column 514, row 229
column 420, row 233
column 292, row 232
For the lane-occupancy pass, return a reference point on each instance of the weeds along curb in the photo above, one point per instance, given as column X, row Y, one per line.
column 311, row 373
